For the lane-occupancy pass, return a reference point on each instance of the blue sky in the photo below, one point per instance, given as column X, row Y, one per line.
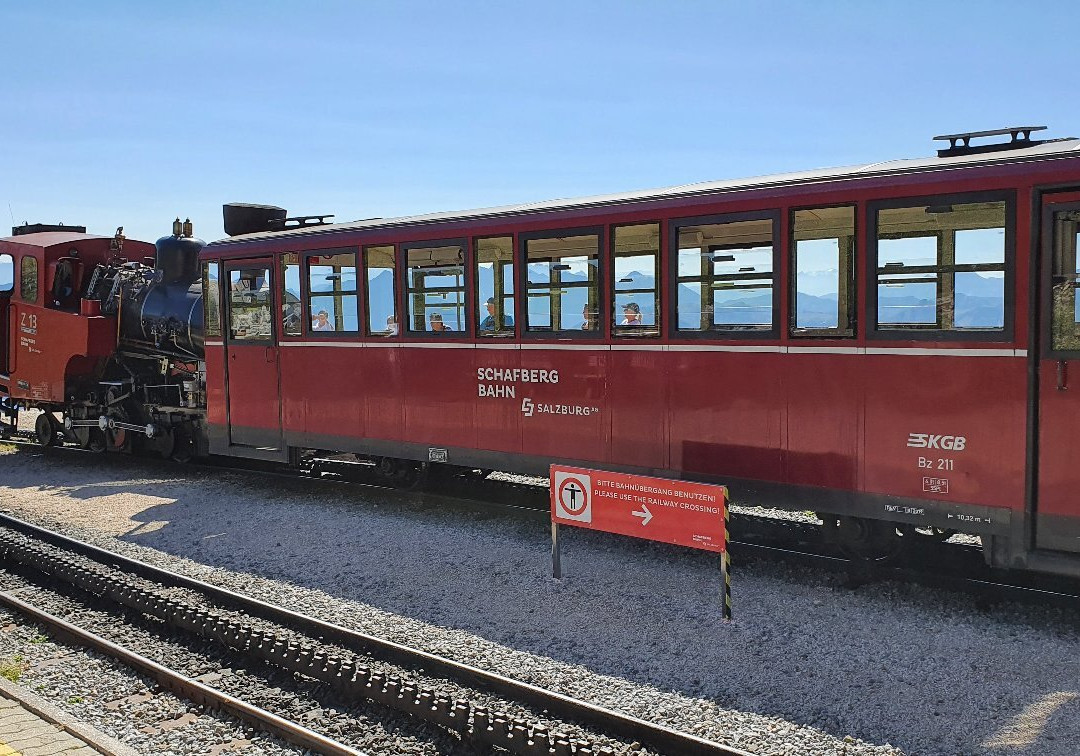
column 124, row 113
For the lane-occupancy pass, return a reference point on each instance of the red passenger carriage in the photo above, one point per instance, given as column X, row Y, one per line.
column 886, row 344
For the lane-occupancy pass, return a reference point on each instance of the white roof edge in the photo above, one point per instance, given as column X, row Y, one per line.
column 1047, row 150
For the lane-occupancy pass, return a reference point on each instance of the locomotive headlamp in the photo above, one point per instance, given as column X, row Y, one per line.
column 177, row 227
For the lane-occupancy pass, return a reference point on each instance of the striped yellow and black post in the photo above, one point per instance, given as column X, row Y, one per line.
column 725, row 562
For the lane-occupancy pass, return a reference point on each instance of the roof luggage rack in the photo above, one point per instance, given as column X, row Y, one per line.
column 960, row 144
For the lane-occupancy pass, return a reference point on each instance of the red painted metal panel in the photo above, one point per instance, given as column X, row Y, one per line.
column 637, row 402
column 1059, row 455
column 215, row 384
column 656, row 509
column 498, row 413
column 946, row 428
column 46, row 345
column 824, row 397
column 726, row 413
column 323, row 389
column 565, row 418
column 254, row 395
column 440, row 396
column 384, row 392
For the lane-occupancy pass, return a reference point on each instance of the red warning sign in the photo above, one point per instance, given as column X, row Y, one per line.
column 657, row 509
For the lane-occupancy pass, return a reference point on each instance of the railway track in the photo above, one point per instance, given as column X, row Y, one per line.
column 347, row 666
column 924, row 561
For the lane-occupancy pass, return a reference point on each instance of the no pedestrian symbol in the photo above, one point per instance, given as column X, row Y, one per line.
column 572, row 496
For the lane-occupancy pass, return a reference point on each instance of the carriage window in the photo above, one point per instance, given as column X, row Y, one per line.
column 637, row 253
column 381, row 308
column 941, row 267
column 824, row 283
column 28, row 279
column 332, row 292
column 435, row 289
column 212, row 306
column 292, row 309
column 725, row 276
column 562, row 281
column 250, row 317
column 495, row 286
column 7, row 273
column 1065, row 278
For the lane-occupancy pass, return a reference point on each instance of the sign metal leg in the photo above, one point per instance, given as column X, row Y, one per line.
column 725, row 565
column 556, row 557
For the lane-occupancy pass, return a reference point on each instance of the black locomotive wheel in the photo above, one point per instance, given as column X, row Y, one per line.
column 117, row 438
column 96, row 442
column 44, row 429
column 183, row 448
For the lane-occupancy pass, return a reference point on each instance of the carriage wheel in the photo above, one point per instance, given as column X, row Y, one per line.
column 401, row 473
column 868, row 540
column 44, row 429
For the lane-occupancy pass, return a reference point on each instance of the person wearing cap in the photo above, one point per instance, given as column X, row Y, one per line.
column 437, row 325
column 631, row 315
column 488, row 323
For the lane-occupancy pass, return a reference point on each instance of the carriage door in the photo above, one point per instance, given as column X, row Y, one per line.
column 7, row 286
column 1057, row 494
column 252, row 390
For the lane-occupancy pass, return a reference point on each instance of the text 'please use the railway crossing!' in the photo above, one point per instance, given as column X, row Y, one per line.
column 656, row 509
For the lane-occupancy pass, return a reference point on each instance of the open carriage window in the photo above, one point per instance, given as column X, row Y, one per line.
column 495, row 286
column 636, row 271
column 292, row 308
column 941, row 266
column 562, row 284
column 332, row 292
column 823, row 285
column 380, row 269
column 725, row 276
column 435, row 288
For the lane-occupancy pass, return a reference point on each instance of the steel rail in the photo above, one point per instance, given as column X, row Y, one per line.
column 183, row 686
column 659, row 737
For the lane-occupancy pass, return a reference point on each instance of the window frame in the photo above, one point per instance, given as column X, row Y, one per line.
column 659, row 308
column 513, row 332
column 1049, row 206
column 727, row 334
column 466, row 283
column 1007, row 333
column 306, row 293
column 599, row 334
column 8, row 292
column 366, row 331
column 247, row 264
column 206, row 289
column 22, row 279
column 854, row 310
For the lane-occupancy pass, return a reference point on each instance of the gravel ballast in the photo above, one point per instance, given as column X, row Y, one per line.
column 806, row 668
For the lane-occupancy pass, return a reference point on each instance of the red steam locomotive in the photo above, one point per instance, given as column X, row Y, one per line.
column 888, row 345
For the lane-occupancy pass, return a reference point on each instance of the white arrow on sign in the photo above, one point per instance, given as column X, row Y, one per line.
column 645, row 516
